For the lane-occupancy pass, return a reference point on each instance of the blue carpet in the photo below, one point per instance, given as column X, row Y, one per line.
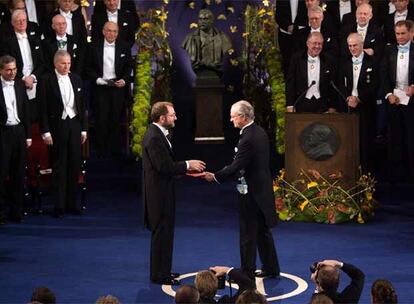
column 106, row 251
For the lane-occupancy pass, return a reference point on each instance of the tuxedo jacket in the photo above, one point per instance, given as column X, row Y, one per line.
column 12, row 49
column 368, row 81
column 159, row 169
column 389, row 33
column 374, row 39
column 76, row 51
column 297, row 78
column 78, row 25
column 22, row 106
column 128, row 6
column 4, row 12
column 6, row 30
column 330, row 37
column 127, row 26
column 252, row 162
column 51, row 103
column 389, row 69
column 283, row 15
column 41, row 12
column 332, row 9
column 123, row 61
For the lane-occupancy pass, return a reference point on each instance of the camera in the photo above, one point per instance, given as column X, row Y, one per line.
column 314, row 267
column 221, row 280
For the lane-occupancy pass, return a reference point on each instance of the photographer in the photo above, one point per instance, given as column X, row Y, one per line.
column 325, row 274
column 208, row 281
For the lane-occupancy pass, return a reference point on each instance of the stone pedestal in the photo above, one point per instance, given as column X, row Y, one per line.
column 208, row 108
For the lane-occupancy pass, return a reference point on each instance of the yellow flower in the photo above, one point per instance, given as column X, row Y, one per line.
column 234, row 62
column 360, row 219
column 145, row 25
column 233, row 28
column 163, row 17
column 261, row 12
column 245, row 35
column 166, row 1
column 230, row 51
column 312, row 185
column 270, row 13
column 369, row 196
column 231, row 9
column 266, row 2
column 85, row 3
column 193, row 25
column 191, row 5
column 303, row 205
column 221, row 17
column 275, row 188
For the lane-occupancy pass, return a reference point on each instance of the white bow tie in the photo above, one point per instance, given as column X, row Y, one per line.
column 21, row 36
column 106, row 44
column 66, row 15
column 400, row 15
column 112, row 14
column 7, row 83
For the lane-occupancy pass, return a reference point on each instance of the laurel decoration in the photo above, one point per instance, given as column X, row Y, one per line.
column 221, row 17
column 152, row 77
column 233, row 29
column 193, row 25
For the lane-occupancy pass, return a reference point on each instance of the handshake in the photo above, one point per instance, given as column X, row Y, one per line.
column 197, row 168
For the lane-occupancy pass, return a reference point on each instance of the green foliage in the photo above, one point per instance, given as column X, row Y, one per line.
column 313, row 197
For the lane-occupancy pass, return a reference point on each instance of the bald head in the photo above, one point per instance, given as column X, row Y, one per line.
column 110, row 31
column 59, row 25
column 363, row 14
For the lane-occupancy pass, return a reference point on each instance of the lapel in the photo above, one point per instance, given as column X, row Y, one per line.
column 18, row 54
column 55, row 86
column 364, row 66
column 3, row 109
column 33, row 49
column 100, row 50
column 349, row 75
column 162, row 136
column 75, row 93
column 393, row 63
column 116, row 59
column 304, row 70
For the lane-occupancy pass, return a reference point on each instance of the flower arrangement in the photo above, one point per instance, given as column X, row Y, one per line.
column 314, row 197
column 152, row 74
column 264, row 81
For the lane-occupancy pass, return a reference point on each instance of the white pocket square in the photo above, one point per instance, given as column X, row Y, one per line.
column 373, row 40
column 125, row 24
column 327, row 71
column 32, row 33
column 122, row 55
column 74, row 55
column 37, row 47
column 329, row 39
column 369, row 70
column 79, row 89
column 75, row 46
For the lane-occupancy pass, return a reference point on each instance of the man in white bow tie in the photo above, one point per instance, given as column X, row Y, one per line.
column 64, row 128
column 398, row 90
column 15, row 136
column 358, row 82
column 403, row 11
column 27, row 49
column 109, row 67
column 127, row 25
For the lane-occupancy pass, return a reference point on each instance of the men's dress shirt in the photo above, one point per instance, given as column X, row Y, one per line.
column 314, row 66
column 402, row 66
column 362, row 31
column 400, row 16
column 68, row 98
column 11, row 105
column 109, row 61
column 113, row 16
column 62, row 42
column 356, row 71
column 26, row 52
column 344, row 8
column 31, row 11
column 293, row 9
column 68, row 18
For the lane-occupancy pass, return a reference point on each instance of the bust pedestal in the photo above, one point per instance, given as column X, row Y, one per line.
column 208, row 108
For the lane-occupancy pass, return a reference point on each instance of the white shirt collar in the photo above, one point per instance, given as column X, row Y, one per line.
column 64, row 37
column 21, row 35
column 107, row 44
column 362, row 28
column 66, row 15
column 163, row 129
column 60, row 76
column 6, row 83
column 249, row 124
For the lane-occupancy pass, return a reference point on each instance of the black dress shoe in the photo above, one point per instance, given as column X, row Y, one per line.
column 266, row 274
column 166, row 281
column 174, row 275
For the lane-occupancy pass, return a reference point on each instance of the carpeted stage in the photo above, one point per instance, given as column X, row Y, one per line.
column 106, row 251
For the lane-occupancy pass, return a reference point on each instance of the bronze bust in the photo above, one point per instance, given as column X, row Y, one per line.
column 207, row 45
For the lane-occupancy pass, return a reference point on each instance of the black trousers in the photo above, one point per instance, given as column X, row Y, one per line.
column 255, row 235
column 162, row 243
column 12, row 162
column 66, row 162
column 109, row 103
